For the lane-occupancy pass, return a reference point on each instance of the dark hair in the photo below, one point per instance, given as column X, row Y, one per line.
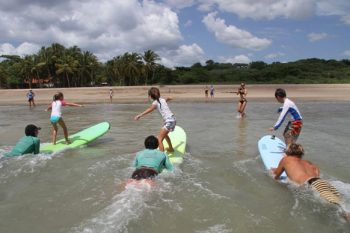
column 57, row 96
column 295, row 149
column 30, row 130
column 151, row 142
column 154, row 93
column 280, row 93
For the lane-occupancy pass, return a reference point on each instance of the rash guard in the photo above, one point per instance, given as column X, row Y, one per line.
column 288, row 107
column 153, row 159
column 25, row 145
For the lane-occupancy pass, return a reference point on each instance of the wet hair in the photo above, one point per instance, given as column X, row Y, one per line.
column 57, row 96
column 30, row 130
column 154, row 93
column 295, row 149
column 151, row 142
column 280, row 93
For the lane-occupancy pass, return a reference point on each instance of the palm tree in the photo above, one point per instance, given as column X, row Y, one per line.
column 132, row 69
column 149, row 57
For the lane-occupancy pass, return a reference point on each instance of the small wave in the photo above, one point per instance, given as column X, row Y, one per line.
column 216, row 228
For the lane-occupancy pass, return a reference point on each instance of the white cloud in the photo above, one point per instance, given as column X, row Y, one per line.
column 274, row 55
column 263, row 9
column 346, row 19
column 185, row 55
column 237, row 59
column 347, row 53
column 179, row 3
column 23, row 49
column 106, row 28
column 188, row 23
column 232, row 35
column 337, row 8
column 317, row 36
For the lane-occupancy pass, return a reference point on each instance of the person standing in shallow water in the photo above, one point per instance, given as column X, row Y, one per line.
column 110, row 95
column 212, row 91
column 293, row 128
column 242, row 103
column 168, row 117
column 30, row 96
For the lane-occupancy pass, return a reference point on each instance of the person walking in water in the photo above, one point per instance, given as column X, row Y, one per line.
column 56, row 116
column 168, row 117
column 242, row 103
column 293, row 128
column 30, row 96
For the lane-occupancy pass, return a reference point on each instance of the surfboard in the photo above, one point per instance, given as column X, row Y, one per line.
column 78, row 139
column 271, row 151
column 178, row 140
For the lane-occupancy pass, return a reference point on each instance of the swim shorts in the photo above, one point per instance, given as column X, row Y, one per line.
column 30, row 99
column 293, row 129
column 55, row 119
column 325, row 189
column 144, row 173
column 170, row 124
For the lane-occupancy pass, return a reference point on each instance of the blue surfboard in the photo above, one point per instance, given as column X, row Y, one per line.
column 271, row 151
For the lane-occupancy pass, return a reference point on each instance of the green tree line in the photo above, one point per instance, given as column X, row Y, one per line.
column 57, row 66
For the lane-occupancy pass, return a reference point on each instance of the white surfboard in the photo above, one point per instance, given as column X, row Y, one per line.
column 271, row 151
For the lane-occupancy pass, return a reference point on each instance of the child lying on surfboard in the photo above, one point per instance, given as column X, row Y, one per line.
column 150, row 161
column 168, row 117
column 303, row 172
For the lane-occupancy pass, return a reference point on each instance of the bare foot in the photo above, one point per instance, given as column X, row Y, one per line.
column 169, row 150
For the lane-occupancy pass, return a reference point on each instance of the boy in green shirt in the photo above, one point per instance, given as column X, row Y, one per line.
column 27, row 144
column 150, row 161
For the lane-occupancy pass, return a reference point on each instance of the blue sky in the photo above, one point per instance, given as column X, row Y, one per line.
column 182, row 32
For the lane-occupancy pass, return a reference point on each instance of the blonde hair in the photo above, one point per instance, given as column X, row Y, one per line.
column 295, row 149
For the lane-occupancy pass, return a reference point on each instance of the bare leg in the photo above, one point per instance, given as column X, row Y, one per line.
column 164, row 134
column 54, row 133
column 65, row 130
column 243, row 105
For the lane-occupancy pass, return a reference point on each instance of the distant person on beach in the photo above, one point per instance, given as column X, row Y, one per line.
column 30, row 96
column 212, row 91
column 28, row 144
column 293, row 128
column 206, row 92
column 110, row 95
column 303, row 172
column 150, row 161
column 168, row 117
column 242, row 103
column 56, row 115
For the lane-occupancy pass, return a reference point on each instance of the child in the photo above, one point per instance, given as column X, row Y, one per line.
column 293, row 128
column 56, row 115
column 27, row 144
column 30, row 96
column 150, row 161
column 168, row 117
column 110, row 95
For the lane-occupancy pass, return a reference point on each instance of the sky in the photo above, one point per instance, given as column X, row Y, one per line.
column 181, row 32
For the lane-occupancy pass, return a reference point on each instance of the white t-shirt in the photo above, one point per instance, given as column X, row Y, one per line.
column 57, row 108
column 163, row 108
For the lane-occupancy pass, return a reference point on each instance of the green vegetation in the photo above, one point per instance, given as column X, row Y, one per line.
column 57, row 66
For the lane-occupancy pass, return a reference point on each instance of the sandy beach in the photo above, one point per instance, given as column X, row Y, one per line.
column 193, row 93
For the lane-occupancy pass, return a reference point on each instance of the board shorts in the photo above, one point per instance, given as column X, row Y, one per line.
column 144, row 173
column 170, row 124
column 325, row 189
column 293, row 129
column 54, row 119
column 30, row 99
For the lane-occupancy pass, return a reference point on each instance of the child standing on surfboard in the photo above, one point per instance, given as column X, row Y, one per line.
column 168, row 117
column 56, row 115
column 293, row 128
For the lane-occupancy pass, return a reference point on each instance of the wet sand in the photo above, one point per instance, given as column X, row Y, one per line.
column 192, row 93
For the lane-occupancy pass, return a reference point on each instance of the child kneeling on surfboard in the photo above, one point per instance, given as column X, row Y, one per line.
column 293, row 128
column 303, row 172
column 56, row 115
column 150, row 161
column 168, row 117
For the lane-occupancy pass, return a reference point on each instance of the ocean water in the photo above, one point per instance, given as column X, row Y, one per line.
column 221, row 186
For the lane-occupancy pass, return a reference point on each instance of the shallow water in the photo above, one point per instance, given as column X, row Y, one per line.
column 220, row 187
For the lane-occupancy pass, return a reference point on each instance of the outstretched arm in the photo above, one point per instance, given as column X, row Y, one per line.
column 148, row 110
column 168, row 99
column 48, row 108
column 73, row 104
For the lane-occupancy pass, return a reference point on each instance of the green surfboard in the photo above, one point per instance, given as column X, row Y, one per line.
column 78, row 139
column 178, row 140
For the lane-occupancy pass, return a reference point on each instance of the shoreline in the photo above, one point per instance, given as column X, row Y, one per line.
column 180, row 93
